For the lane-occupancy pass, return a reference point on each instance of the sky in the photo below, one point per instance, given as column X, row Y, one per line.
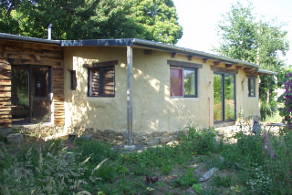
column 200, row 18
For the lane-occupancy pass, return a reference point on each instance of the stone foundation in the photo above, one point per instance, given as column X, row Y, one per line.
column 119, row 138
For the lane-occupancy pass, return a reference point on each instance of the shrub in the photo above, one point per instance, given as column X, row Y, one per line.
column 187, row 179
column 224, row 181
column 97, row 151
column 199, row 141
column 247, row 151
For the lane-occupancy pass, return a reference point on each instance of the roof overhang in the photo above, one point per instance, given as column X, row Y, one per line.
column 266, row 72
column 29, row 39
column 153, row 45
column 139, row 43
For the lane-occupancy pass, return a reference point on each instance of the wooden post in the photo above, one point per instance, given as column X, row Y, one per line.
column 129, row 94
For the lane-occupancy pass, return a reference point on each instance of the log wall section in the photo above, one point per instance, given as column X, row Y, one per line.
column 5, row 94
column 30, row 53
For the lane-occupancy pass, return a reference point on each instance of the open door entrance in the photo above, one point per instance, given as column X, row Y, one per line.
column 31, row 88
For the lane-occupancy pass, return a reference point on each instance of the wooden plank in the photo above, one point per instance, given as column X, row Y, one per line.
column 223, row 70
column 183, row 64
column 27, row 53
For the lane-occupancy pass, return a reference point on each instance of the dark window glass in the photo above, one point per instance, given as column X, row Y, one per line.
column 40, row 79
column 252, row 86
column 102, row 82
column 183, row 82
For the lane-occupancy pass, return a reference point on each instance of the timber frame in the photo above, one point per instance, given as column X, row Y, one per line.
column 14, row 52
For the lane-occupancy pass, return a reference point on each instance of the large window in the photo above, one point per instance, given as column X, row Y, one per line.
column 251, row 86
column 183, row 82
column 224, row 97
column 101, row 81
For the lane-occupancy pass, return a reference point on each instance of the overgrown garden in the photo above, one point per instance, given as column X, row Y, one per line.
column 87, row 166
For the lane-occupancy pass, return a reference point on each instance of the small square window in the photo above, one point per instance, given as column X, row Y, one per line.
column 183, row 82
column 101, row 82
column 251, row 86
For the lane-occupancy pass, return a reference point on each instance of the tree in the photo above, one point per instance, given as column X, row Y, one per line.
column 285, row 81
column 92, row 19
column 260, row 42
column 158, row 18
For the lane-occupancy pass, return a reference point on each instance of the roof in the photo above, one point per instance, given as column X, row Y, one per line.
column 152, row 45
column 25, row 38
column 135, row 42
column 263, row 71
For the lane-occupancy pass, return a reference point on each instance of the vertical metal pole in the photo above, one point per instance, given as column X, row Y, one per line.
column 30, row 92
column 50, row 31
column 129, row 94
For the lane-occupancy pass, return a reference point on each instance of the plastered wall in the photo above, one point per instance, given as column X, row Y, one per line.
column 153, row 108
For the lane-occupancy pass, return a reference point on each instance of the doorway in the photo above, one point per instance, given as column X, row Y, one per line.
column 31, row 89
column 224, row 97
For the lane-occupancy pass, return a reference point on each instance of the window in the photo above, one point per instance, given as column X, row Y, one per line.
column 251, row 86
column 101, row 81
column 73, row 79
column 183, row 82
column 224, row 96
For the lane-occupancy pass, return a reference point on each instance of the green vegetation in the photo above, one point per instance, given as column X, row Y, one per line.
column 187, row 179
column 258, row 41
column 92, row 167
column 91, row 19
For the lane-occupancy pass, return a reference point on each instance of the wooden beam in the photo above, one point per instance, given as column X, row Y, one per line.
column 101, row 64
column 147, row 51
column 173, row 55
column 205, row 60
column 228, row 65
column 183, row 64
column 223, row 70
column 5, row 94
column 238, row 67
column 129, row 95
column 216, row 63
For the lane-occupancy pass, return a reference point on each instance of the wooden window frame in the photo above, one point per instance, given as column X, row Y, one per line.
column 253, row 80
column 101, row 81
column 183, row 90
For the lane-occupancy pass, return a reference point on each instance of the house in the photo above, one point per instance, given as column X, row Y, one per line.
column 122, row 84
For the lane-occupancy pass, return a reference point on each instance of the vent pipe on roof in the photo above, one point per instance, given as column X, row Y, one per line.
column 50, row 31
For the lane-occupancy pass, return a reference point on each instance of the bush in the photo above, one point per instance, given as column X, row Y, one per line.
column 199, row 141
column 187, row 179
column 225, row 181
column 97, row 151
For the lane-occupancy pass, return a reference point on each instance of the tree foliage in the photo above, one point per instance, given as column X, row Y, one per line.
column 246, row 38
column 285, row 81
column 84, row 19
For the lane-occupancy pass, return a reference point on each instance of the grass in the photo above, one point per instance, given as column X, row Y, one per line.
column 93, row 167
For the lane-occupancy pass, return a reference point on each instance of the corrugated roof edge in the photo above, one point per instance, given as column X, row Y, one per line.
column 30, row 39
column 263, row 71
